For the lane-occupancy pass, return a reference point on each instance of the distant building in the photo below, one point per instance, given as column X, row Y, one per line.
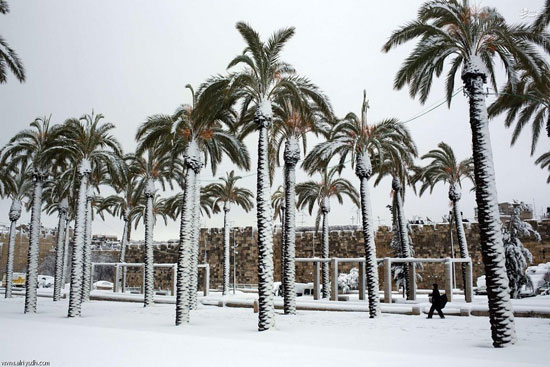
column 105, row 242
column 506, row 209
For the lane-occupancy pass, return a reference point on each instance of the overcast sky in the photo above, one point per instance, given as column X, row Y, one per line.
column 131, row 59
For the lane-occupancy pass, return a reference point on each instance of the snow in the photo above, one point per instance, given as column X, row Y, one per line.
column 265, row 108
column 126, row 334
column 15, row 210
column 85, row 167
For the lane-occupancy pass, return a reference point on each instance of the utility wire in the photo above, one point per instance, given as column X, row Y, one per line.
column 430, row 109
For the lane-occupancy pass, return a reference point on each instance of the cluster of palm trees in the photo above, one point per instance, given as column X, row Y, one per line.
column 67, row 163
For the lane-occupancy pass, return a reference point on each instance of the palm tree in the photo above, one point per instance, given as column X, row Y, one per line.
column 279, row 208
column 123, row 204
column 446, row 169
column 197, row 133
column 528, row 101
column 145, row 211
column 174, row 204
column 263, row 79
column 544, row 161
column 8, row 57
column 311, row 193
column 399, row 164
column 473, row 37
column 293, row 118
column 91, row 201
column 543, row 19
column 57, row 196
column 17, row 187
column 354, row 136
column 226, row 193
column 153, row 167
column 35, row 148
column 91, row 147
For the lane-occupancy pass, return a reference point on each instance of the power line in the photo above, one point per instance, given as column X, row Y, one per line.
column 439, row 104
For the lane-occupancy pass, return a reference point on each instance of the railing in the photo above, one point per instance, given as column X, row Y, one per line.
column 387, row 261
column 120, row 279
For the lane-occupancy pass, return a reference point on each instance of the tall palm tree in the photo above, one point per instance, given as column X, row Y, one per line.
column 544, row 161
column 474, row 37
column 311, row 193
column 8, row 57
column 200, row 133
column 262, row 79
column 154, row 166
column 446, row 169
column 96, row 177
column 526, row 101
column 399, row 164
column 38, row 149
column 18, row 185
column 91, row 147
column 57, row 196
column 226, row 193
column 279, row 208
column 293, row 119
column 354, row 136
column 123, row 204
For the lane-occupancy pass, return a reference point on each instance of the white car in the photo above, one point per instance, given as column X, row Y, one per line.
column 302, row 289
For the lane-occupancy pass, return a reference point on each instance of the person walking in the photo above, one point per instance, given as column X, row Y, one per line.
column 438, row 302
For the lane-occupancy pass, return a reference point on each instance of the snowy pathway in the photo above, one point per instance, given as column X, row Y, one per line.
column 126, row 334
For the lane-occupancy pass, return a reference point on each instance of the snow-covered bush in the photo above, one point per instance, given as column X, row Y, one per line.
column 348, row 282
column 517, row 256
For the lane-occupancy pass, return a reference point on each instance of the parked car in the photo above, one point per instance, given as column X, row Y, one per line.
column 302, row 289
column 18, row 280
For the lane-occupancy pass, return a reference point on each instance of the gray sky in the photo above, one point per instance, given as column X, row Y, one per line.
column 130, row 59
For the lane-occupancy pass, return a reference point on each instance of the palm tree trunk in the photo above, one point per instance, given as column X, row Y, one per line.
column 87, row 256
column 60, row 250
column 123, row 245
column 123, row 241
column 454, row 196
column 15, row 214
column 65, row 253
column 196, row 236
column 148, row 264
column 363, row 170
column 75, row 300
column 403, row 234
column 325, row 271
column 492, row 249
column 225, row 286
column 183, row 306
column 283, row 247
column 266, row 317
column 291, row 156
column 31, row 282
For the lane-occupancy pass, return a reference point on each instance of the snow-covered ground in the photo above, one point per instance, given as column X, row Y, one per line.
column 126, row 334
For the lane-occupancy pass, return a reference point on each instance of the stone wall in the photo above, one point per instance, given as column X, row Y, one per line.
column 430, row 241
column 46, row 249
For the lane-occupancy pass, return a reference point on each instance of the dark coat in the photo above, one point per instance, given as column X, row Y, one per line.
column 436, row 298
